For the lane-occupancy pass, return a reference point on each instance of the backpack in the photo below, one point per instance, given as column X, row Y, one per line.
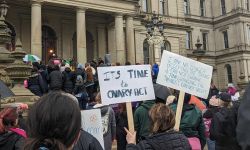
column 105, row 122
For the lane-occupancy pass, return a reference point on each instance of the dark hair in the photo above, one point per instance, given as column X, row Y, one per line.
column 127, row 63
column 8, row 117
column 162, row 118
column 187, row 98
column 54, row 122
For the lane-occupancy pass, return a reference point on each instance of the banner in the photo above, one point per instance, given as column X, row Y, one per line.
column 185, row 74
column 92, row 123
column 121, row 84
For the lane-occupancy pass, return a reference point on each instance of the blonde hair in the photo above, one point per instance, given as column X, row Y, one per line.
column 162, row 118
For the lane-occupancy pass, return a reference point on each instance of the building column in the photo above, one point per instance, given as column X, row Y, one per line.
column 102, row 46
column 36, row 28
column 130, row 40
column 81, row 35
column 120, row 52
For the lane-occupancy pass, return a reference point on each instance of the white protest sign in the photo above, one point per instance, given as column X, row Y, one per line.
column 121, row 84
column 185, row 74
column 92, row 123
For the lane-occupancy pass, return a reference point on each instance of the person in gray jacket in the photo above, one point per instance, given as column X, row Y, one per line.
column 108, row 122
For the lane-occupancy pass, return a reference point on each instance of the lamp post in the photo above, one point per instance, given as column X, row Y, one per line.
column 155, row 34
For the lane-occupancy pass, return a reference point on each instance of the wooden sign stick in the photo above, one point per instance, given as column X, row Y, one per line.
column 130, row 117
column 179, row 110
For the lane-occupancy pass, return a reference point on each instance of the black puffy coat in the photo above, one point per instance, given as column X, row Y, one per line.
column 87, row 142
column 55, row 80
column 69, row 81
column 223, row 129
column 171, row 140
column 243, row 129
column 36, row 85
column 11, row 141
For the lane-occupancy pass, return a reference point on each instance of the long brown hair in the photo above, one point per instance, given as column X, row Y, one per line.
column 162, row 118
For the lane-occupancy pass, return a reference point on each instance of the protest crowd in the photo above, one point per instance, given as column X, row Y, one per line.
column 219, row 122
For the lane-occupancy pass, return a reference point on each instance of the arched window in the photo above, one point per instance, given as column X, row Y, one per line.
column 229, row 73
column 146, row 51
column 165, row 46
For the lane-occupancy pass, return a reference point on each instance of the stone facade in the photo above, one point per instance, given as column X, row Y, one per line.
column 88, row 29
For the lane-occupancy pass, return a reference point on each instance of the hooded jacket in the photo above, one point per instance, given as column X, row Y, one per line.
column 223, row 129
column 55, row 80
column 87, row 142
column 141, row 119
column 170, row 140
column 109, row 125
column 192, row 124
column 69, row 80
column 11, row 141
column 243, row 129
column 36, row 85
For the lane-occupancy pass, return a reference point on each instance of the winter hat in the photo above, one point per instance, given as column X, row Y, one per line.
column 161, row 92
column 67, row 66
column 224, row 97
column 79, row 66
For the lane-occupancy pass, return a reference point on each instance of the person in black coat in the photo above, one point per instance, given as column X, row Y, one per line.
column 55, row 79
column 121, row 122
column 87, row 142
column 223, row 125
column 162, row 135
column 36, row 83
column 243, row 129
column 69, row 80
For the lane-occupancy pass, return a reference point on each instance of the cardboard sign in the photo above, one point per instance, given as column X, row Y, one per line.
column 125, row 84
column 185, row 74
column 92, row 123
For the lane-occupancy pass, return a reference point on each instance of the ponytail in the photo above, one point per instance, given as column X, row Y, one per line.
column 50, row 144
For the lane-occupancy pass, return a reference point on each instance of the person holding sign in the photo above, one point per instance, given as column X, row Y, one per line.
column 108, row 122
column 192, row 124
column 163, row 136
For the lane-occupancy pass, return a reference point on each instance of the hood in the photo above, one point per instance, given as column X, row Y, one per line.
column 6, row 137
column 155, row 66
column 148, row 104
column 104, row 110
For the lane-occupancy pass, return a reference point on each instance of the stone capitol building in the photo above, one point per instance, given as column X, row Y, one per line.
column 89, row 29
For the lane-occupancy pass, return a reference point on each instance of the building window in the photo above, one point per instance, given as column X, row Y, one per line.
column 223, row 7
column 162, row 7
column 146, row 5
column 229, row 73
column 205, row 41
column 247, row 4
column 202, row 7
column 225, row 35
column 188, row 40
column 186, row 7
